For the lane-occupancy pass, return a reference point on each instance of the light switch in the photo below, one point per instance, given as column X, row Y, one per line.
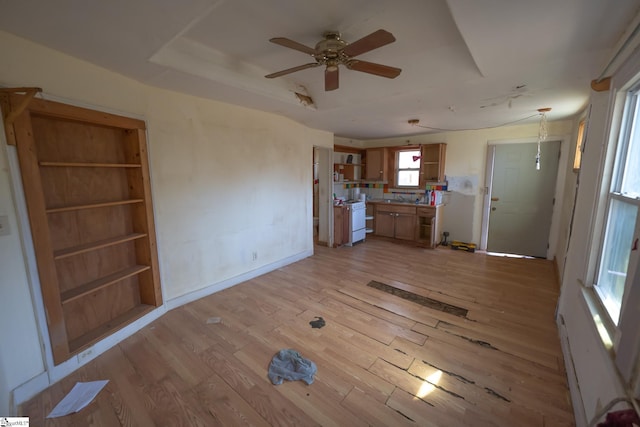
column 4, row 225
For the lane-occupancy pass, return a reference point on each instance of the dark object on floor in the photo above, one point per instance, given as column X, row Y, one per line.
column 289, row 365
column 445, row 236
column 419, row 299
column 462, row 246
column 319, row 323
column 626, row 418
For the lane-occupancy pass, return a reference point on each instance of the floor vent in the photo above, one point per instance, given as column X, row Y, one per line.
column 419, row 299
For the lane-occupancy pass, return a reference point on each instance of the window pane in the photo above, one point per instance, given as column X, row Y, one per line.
column 405, row 160
column 615, row 256
column 408, row 178
column 631, row 175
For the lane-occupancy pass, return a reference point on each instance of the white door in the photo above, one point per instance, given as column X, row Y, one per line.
column 522, row 198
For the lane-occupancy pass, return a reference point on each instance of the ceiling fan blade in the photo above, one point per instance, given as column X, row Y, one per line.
column 283, row 41
column 372, row 41
column 292, row 70
column 331, row 76
column 373, row 68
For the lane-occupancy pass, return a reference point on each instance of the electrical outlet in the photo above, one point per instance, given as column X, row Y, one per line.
column 254, row 255
column 4, row 225
column 85, row 354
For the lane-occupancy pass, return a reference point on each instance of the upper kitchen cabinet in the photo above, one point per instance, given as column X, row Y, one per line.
column 348, row 163
column 377, row 167
column 433, row 159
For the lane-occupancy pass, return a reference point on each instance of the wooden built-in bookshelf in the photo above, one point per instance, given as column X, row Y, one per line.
column 86, row 181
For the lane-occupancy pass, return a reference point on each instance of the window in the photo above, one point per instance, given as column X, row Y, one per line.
column 620, row 237
column 577, row 159
column 408, row 168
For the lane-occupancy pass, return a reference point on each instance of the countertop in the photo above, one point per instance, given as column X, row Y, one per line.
column 400, row 202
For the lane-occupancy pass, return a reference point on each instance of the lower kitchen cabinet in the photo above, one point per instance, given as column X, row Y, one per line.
column 398, row 222
column 419, row 224
column 428, row 225
column 341, row 216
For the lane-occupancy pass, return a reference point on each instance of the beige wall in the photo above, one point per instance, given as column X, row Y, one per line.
column 226, row 181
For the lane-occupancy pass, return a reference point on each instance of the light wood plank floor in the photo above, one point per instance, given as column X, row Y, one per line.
column 382, row 360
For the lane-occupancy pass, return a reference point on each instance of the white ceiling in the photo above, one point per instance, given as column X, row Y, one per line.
column 465, row 63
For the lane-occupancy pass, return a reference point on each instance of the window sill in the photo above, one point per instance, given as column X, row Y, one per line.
column 604, row 327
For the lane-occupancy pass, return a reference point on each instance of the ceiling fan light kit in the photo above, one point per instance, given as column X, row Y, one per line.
column 332, row 52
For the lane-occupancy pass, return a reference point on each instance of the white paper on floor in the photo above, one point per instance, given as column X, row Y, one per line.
column 80, row 396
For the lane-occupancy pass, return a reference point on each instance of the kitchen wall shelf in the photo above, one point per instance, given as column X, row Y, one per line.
column 86, row 182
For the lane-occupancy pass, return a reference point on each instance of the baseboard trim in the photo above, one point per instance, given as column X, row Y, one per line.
column 572, row 379
column 217, row 287
column 40, row 382
column 26, row 391
column 45, row 379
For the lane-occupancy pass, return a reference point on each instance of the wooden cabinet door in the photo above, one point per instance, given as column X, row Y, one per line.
column 384, row 223
column 341, row 225
column 433, row 160
column 405, row 226
column 376, row 168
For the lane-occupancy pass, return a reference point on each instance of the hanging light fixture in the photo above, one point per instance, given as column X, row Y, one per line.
column 542, row 132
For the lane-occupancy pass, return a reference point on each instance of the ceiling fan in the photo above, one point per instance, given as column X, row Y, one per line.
column 333, row 51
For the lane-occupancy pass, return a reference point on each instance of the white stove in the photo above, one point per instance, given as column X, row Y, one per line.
column 357, row 230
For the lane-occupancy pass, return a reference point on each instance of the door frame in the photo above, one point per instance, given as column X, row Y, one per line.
column 558, row 193
column 325, row 195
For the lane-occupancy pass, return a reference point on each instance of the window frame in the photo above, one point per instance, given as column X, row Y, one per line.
column 580, row 138
column 619, row 339
column 397, row 169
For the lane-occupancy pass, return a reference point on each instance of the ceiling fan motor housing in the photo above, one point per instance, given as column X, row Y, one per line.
column 332, row 51
column 330, row 48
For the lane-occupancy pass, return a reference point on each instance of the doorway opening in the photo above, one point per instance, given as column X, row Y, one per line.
column 519, row 200
column 322, row 182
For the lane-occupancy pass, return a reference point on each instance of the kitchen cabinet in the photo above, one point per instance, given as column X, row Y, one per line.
column 87, row 189
column 341, row 217
column 350, row 167
column 433, row 158
column 376, row 164
column 428, row 225
column 398, row 222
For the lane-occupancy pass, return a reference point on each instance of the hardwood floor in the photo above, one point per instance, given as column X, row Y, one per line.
column 382, row 359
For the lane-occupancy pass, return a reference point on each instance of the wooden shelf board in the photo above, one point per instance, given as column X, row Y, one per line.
column 90, row 165
column 103, row 282
column 347, row 164
column 105, row 329
column 87, row 247
column 94, row 205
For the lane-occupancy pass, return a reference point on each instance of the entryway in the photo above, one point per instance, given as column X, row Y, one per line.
column 519, row 202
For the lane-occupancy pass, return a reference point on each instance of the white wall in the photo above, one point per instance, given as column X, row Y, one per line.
column 19, row 343
column 226, row 181
column 466, row 156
